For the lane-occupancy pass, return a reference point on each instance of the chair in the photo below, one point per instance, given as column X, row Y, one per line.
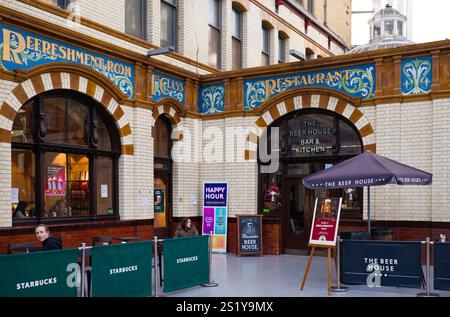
column 102, row 239
column 19, row 247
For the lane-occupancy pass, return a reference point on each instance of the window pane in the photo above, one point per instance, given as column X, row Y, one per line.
column 79, row 185
column 134, row 18
column 55, row 185
column 237, row 54
column 214, row 13
column 55, row 110
column 160, row 204
column 23, row 178
column 23, row 125
column 266, row 40
column 104, row 139
column 168, row 25
column 105, row 191
column 236, row 23
column 282, row 50
column 400, row 28
column 77, row 122
column 389, row 27
column 214, row 42
column 162, row 139
column 272, row 185
column 264, row 59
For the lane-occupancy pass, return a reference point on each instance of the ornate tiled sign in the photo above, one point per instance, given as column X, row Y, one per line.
column 20, row 49
column 165, row 86
column 212, row 99
column 417, row 75
column 356, row 81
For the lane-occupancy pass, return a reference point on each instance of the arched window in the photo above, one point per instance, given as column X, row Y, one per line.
column 65, row 149
column 162, row 176
column 282, row 47
column 169, row 23
column 237, row 33
column 265, row 53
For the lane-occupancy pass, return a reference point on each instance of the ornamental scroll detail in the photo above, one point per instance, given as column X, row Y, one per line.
column 20, row 49
column 212, row 99
column 168, row 87
column 417, row 75
column 358, row 82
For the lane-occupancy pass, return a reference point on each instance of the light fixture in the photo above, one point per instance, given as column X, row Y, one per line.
column 297, row 54
column 160, row 51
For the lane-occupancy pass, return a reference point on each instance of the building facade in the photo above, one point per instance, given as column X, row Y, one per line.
column 94, row 133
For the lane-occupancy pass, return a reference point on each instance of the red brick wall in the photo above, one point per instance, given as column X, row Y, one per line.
column 73, row 238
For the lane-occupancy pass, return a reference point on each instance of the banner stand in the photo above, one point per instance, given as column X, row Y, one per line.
column 212, row 283
column 309, row 265
column 339, row 288
column 156, row 257
column 428, row 273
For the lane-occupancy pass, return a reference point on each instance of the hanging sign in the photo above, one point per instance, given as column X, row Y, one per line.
column 215, row 214
column 327, row 212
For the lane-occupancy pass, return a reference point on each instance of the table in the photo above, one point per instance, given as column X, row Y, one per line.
column 127, row 239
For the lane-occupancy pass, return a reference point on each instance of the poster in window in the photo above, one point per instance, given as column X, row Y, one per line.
column 327, row 212
column 159, row 200
column 56, row 181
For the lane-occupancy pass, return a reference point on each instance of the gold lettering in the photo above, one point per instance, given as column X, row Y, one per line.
column 71, row 55
column 288, row 81
column 348, row 72
column 37, row 44
column 30, row 43
column 270, row 87
column 303, row 81
column 54, row 48
column 79, row 57
column 109, row 66
column 338, row 75
column 320, row 78
column 46, row 47
column 8, row 51
column 296, row 78
column 164, row 84
column 330, row 78
column 310, row 79
column 63, row 52
column 128, row 71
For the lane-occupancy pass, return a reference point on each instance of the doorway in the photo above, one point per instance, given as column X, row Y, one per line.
column 297, row 214
column 162, row 205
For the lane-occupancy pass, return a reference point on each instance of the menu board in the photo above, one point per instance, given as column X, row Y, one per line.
column 325, row 224
column 250, row 235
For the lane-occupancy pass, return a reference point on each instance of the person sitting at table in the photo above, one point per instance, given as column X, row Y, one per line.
column 186, row 229
column 48, row 243
column 19, row 213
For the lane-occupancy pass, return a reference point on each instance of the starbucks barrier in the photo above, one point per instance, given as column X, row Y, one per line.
column 40, row 274
column 186, row 263
column 123, row 270
column 442, row 266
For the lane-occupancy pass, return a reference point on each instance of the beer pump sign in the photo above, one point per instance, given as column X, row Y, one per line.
column 327, row 212
column 215, row 214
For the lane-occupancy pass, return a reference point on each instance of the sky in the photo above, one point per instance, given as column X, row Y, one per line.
column 430, row 18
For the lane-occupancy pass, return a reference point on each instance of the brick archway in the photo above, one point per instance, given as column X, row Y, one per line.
column 309, row 101
column 41, row 83
column 173, row 110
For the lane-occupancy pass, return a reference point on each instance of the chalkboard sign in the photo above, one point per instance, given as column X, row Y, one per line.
column 250, row 235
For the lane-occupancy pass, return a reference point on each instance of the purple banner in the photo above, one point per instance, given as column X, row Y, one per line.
column 215, row 195
column 208, row 220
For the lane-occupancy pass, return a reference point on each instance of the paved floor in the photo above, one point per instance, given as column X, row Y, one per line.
column 279, row 276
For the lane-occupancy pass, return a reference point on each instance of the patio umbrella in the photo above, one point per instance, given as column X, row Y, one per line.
column 367, row 170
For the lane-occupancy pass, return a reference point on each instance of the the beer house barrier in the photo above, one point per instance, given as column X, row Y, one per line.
column 442, row 266
column 123, row 270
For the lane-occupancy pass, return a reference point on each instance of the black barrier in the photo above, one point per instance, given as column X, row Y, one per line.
column 380, row 263
column 442, row 266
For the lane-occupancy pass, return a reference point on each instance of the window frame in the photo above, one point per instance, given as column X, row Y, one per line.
column 218, row 29
column 265, row 51
column 282, row 47
column 175, row 22
column 40, row 148
column 236, row 11
column 143, row 21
